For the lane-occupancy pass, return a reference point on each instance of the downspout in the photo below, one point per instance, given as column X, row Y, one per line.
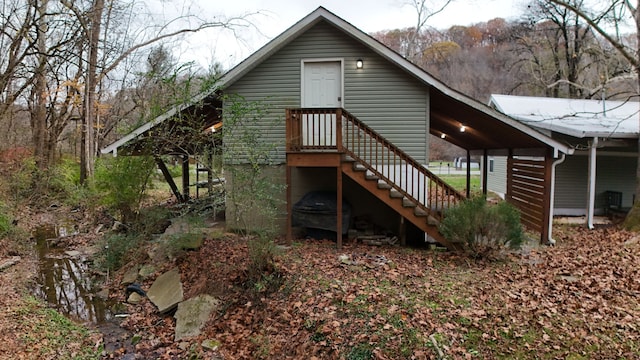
column 592, row 183
column 553, row 196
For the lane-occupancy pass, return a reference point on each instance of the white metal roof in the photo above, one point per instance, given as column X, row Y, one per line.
column 574, row 117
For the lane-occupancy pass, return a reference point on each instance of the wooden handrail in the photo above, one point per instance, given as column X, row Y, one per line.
column 316, row 129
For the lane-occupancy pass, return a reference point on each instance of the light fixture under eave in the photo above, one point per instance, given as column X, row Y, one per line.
column 442, row 136
column 359, row 64
column 463, row 128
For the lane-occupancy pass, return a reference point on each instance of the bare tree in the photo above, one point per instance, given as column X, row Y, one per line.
column 17, row 42
column 425, row 10
column 607, row 19
column 103, row 57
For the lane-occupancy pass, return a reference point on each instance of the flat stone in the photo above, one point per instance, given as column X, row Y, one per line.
column 189, row 237
column 73, row 253
column 146, row 271
column 134, row 298
column 6, row 263
column 130, row 276
column 192, row 315
column 166, row 291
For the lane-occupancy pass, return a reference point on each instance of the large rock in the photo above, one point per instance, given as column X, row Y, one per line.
column 146, row 271
column 166, row 291
column 130, row 276
column 183, row 234
column 192, row 314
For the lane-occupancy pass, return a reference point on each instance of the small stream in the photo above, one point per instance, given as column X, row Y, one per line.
column 65, row 280
column 68, row 284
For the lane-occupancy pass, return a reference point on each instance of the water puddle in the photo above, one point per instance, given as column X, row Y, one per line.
column 65, row 280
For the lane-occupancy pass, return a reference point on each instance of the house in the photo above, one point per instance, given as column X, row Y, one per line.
column 604, row 136
column 355, row 117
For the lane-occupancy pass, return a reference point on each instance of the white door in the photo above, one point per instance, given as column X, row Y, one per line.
column 322, row 88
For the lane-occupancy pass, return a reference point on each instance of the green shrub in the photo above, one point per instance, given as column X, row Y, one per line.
column 120, row 183
column 64, row 183
column 5, row 221
column 117, row 250
column 483, row 229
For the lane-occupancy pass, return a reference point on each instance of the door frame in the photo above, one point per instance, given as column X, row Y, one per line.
column 317, row 60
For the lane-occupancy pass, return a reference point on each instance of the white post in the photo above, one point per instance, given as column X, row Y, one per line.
column 592, row 182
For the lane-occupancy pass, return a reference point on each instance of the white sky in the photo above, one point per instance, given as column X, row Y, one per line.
column 277, row 15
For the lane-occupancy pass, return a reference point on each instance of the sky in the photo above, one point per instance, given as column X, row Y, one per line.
column 275, row 16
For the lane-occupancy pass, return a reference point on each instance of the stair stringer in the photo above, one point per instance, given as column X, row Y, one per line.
column 397, row 204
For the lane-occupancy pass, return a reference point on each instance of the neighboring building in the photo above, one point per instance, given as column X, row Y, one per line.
column 324, row 74
column 604, row 135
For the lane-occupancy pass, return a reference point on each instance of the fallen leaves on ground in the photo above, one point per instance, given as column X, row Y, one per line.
column 577, row 300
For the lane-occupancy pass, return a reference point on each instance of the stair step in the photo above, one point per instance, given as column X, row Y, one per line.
column 347, row 158
column 419, row 212
column 408, row 203
column 359, row 167
column 383, row 185
column 395, row 194
column 370, row 176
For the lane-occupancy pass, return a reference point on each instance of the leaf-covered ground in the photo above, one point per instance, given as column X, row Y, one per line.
column 577, row 300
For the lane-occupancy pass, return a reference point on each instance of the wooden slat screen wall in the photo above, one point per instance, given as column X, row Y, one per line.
column 527, row 189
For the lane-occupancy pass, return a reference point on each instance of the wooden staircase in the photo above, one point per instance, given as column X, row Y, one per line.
column 380, row 167
column 406, row 208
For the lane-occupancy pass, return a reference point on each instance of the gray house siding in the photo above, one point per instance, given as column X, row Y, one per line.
column 571, row 186
column 614, row 172
column 381, row 95
column 497, row 179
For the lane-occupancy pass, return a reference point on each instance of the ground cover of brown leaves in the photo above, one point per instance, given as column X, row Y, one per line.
column 577, row 300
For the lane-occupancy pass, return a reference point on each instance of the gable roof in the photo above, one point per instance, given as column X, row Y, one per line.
column 579, row 118
column 494, row 130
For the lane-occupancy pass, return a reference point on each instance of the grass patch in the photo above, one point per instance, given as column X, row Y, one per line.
column 459, row 182
column 48, row 334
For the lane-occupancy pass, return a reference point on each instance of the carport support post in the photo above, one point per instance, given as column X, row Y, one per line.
column 185, row 177
column 485, row 171
column 592, row 182
column 289, row 208
column 168, row 178
column 468, row 174
column 339, row 208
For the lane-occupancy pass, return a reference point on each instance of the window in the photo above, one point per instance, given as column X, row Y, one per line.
column 490, row 165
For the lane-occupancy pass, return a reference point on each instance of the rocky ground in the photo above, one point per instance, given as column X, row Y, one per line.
column 577, row 300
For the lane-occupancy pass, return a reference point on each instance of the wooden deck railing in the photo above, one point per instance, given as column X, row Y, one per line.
column 315, row 129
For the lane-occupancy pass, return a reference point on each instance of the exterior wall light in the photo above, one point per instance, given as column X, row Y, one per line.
column 442, row 136
column 463, row 128
column 359, row 64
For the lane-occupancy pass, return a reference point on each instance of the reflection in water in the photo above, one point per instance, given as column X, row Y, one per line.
column 64, row 280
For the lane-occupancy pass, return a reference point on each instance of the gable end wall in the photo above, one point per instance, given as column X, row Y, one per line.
column 386, row 98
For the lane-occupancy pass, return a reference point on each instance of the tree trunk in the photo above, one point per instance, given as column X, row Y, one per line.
column 87, row 146
column 39, row 114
